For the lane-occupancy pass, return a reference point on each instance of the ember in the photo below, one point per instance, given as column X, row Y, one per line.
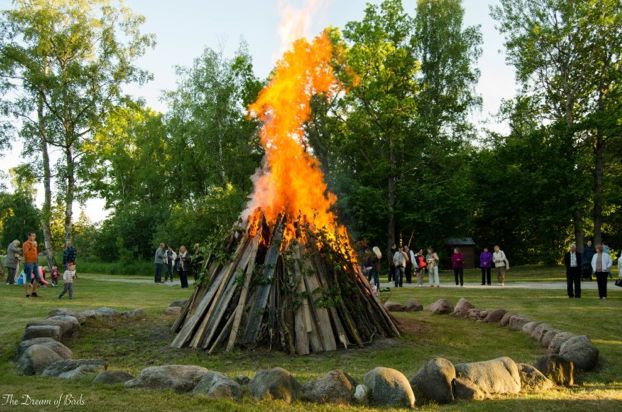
column 289, row 279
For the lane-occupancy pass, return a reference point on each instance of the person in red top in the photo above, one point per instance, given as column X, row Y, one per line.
column 31, row 265
column 457, row 264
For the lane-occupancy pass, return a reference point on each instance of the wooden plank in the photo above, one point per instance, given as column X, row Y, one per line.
column 222, row 305
column 323, row 320
column 221, row 335
column 258, row 308
column 301, row 323
column 242, row 302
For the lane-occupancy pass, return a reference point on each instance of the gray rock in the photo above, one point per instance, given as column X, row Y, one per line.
column 112, row 377
column 60, row 349
column 558, row 340
column 495, row 316
column 532, row 380
column 242, row 380
column 68, row 324
column 216, row 385
column 441, row 307
column 101, row 313
column 75, row 368
column 178, row 303
column 36, row 358
column 433, row 382
column 67, row 312
column 394, row 306
column 389, row 387
column 138, row 313
column 494, row 377
column 462, row 308
column 517, row 322
column 540, row 330
column 548, row 337
column 172, row 310
column 181, row 378
column 557, row 369
column 413, row 305
column 529, row 327
column 466, row 390
column 476, row 314
column 42, row 331
column 361, row 394
column 580, row 351
column 505, row 320
column 275, row 383
column 335, row 387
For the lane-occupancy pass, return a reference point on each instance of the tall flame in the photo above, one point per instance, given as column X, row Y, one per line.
column 291, row 182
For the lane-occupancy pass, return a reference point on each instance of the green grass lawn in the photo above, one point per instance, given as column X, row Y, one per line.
column 134, row 344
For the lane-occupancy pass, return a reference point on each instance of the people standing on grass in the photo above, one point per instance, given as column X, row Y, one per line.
column 399, row 262
column 13, row 253
column 421, row 266
column 170, row 258
column 501, row 264
column 572, row 261
column 69, row 254
column 31, row 265
column 391, row 264
column 432, row 260
column 68, row 277
column 485, row 264
column 586, row 262
column 414, row 266
column 457, row 264
column 374, row 264
column 601, row 265
column 183, row 266
column 159, row 258
column 408, row 270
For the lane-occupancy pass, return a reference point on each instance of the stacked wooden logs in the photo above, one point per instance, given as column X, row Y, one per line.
column 299, row 295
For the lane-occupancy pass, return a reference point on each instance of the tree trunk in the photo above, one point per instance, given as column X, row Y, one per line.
column 391, row 200
column 47, row 199
column 70, row 191
column 578, row 230
column 597, row 188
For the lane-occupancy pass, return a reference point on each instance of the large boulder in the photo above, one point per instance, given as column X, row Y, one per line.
column 462, row 308
column 495, row 316
column 505, row 320
column 181, row 378
column 441, row 307
column 557, row 369
column 75, row 368
column 275, row 383
column 517, row 322
column 101, row 313
column 60, row 349
column 476, row 314
column 413, row 305
column 36, row 358
column 42, row 331
column 335, row 387
column 529, row 327
column 394, row 306
column 68, row 324
column 216, row 385
column 494, row 377
column 112, row 377
column 389, row 387
column 580, row 351
column 558, row 340
column 433, row 382
column 466, row 390
column 548, row 337
column 361, row 394
column 532, row 380
column 541, row 330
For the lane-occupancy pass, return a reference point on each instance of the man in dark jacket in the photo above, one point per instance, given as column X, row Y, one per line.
column 588, row 254
column 572, row 261
column 69, row 254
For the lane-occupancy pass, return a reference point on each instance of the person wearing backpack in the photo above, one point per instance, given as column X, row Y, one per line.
column 399, row 261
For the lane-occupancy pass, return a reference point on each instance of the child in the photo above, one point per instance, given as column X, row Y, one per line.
column 54, row 275
column 68, row 277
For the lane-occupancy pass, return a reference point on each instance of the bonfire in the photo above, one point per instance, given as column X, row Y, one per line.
column 287, row 276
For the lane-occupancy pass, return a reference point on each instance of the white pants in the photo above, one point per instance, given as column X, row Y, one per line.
column 433, row 275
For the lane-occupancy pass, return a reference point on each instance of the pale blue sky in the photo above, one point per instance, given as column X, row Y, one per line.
column 183, row 28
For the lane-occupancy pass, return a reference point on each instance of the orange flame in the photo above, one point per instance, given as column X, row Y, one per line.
column 292, row 182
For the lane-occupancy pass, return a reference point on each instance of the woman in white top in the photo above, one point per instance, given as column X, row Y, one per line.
column 601, row 264
column 501, row 264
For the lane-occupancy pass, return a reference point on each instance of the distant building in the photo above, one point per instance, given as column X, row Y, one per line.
column 466, row 246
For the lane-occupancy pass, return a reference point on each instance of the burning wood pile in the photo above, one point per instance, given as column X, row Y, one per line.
column 286, row 277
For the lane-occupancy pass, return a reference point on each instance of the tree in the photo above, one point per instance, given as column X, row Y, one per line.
column 567, row 59
column 68, row 61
